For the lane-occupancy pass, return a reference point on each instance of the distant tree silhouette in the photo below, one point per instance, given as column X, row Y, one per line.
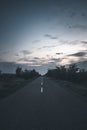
column 72, row 73
column 18, row 71
column 26, row 74
column 30, row 74
column 0, row 72
column 73, row 68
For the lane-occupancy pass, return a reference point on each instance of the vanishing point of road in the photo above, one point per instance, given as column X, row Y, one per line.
column 43, row 105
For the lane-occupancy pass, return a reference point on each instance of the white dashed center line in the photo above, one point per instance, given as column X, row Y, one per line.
column 41, row 89
column 41, row 85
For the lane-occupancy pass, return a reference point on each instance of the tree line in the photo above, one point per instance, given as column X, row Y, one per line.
column 26, row 74
column 71, row 73
column 20, row 73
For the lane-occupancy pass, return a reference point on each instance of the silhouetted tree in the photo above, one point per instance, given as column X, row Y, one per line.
column 72, row 70
column 72, row 73
column 0, row 72
column 27, row 74
column 18, row 71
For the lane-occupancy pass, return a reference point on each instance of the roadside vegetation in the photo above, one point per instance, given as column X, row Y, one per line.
column 10, row 83
column 72, row 78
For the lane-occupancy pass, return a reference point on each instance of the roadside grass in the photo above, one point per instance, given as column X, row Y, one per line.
column 11, row 85
column 79, row 90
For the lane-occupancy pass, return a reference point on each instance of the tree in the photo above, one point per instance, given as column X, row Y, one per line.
column 18, row 71
column 72, row 72
column 0, row 71
column 73, row 68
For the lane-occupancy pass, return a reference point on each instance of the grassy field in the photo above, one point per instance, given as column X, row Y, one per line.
column 11, row 85
column 79, row 90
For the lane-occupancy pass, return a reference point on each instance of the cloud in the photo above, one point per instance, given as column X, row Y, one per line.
column 78, row 54
column 23, row 59
column 72, row 14
column 4, row 52
column 32, row 60
column 69, row 42
column 36, row 41
column 59, row 53
column 26, row 52
column 78, row 26
column 36, row 61
column 36, row 58
column 17, row 55
column 28, row 60
column 1, row 59
column 49, row 46
column 84, row 42
column 56, row 59
column 83, row 15
column 50, row 36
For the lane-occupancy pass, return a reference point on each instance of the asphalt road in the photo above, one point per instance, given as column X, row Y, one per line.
column 43, row 105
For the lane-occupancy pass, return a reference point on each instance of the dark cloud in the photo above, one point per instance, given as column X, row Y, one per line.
column 50, row 36
column 17, row 55
column 39, row 61
column 47, row 47
column 78, row 26
column 4, row 52
column 36, row 41
column 26, row 52
column 59, row 53
column 72, row 14
column 56, row 59
column 84, row 42
column 24, row 59
column 83, row 15
column 36, row 58
column 32, row 60
column 78, row 54
column 48, row 55
column 1, row 59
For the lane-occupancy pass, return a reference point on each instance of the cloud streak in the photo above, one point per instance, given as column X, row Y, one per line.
column 84, row 42
column 49, row 46
column 50, row 36
column 26, row 52
column 59, row 53
column 36, row 41
column 78, row 54
column 78, row 26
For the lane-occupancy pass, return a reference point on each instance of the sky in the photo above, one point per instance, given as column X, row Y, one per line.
column 42, row 34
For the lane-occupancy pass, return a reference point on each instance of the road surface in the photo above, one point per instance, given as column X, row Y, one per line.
column 51, row 108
